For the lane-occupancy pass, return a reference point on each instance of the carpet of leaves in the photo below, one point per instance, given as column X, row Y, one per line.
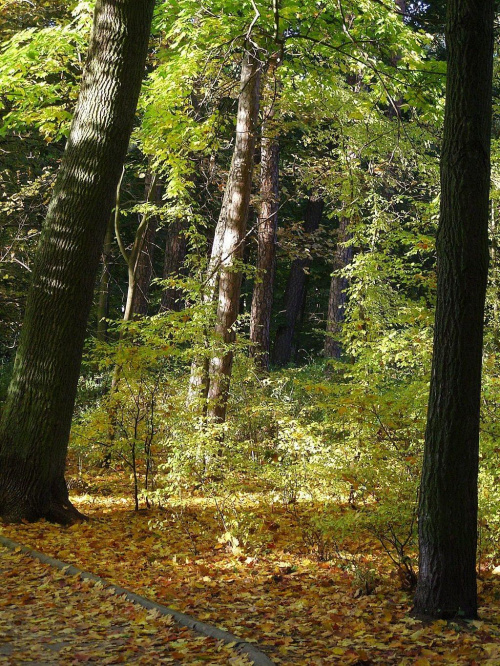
column 296, row 609
column 47, row 617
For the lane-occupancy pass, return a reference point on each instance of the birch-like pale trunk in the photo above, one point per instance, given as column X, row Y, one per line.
column 235, row 211
column 223, row 278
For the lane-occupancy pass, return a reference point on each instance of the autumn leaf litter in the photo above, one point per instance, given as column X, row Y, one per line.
column 294, row 608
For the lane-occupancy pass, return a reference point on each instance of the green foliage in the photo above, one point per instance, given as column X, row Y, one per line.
column 39, row 73
column 335, row 444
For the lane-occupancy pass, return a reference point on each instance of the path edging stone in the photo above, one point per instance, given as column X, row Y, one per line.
column 258, row 657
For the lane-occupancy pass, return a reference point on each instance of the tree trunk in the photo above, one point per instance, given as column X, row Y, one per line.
column 235, row 211
column 267, row 225
column 495, row 274
column 338, row 296
column 199, row 379
column 175, row 253
column 103, row 303
column 448, row 492
column 133, row 258
column 296, row 290
column 144, row 266
column 37, row 417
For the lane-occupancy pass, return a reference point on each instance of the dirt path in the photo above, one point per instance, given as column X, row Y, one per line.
column 47, row 617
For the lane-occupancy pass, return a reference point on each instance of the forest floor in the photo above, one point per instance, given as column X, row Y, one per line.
column 294, row 608
column 47, row 617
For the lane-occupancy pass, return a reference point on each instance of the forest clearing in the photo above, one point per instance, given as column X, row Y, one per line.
column 249, row 332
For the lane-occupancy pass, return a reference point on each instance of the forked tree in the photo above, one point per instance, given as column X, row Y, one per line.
column 448, row 495
column 36, row 421
column 210, row 378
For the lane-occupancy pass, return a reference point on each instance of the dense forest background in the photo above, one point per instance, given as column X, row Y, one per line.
column 288, row 364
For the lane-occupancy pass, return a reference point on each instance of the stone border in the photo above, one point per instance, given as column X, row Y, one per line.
column 258, row 658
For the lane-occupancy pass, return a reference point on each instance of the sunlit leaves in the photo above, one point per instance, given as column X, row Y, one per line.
column 39, row 74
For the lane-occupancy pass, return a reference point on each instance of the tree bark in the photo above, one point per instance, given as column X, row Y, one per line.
column 37, row 417
column 175, row 254
column 448, row 492
column 199, row 377
column 296, row 290
column 267, row 226
column 144, row 266
column 235, row 211
column 338, row 292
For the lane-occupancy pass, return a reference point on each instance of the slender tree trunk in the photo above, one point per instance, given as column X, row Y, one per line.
column 144, row 266
column 448, row 491
column 175, row 254
column 237, row 203
column 199, row 380
column 495, row 274
column 267, row 226
column 296, row 290
column 103, row 303
column 133, row 258
column 338, row 296
column 37, row 417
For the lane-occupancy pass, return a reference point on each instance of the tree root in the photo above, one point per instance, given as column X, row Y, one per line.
column 54, row 506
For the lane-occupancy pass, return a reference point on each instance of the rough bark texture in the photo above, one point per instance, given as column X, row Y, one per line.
column 448, row 494
column 267, row 225
column 144, row 264
column 236, row 204
column 338, row 292
column 35, row 428
column 199, row 379
column 175, row 253
column 296, row 290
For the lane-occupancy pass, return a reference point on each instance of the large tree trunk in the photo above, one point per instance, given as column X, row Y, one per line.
column 36, row 422
column 236, row 207
column 267, row 225
column 144, row 265
column 338, row 292
column 175, row 254
column 296, row 290
column 448, row 492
